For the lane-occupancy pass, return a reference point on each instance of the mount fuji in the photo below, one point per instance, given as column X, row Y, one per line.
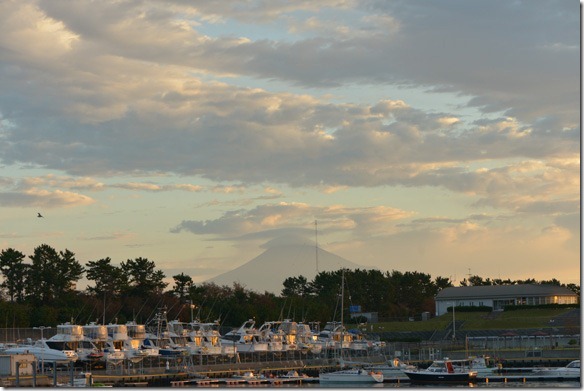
column 283, row 258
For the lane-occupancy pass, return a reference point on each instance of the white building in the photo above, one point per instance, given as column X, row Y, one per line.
column 498, row 296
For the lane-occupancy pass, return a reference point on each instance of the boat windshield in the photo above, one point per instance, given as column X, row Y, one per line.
column 574, row 364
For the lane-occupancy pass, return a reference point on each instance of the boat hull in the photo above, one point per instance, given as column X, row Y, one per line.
column 422, row 377
column 46, row 355
column 350, row 376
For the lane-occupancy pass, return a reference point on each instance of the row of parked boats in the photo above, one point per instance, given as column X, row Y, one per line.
column 441, row 372
column 160, row 337
column 447, row 371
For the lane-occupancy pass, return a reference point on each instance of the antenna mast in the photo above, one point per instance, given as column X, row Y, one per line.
column 316, row 241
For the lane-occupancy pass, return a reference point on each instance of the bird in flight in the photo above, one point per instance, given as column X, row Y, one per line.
column 39, row 215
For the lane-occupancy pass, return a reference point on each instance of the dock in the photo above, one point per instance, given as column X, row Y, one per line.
column 525, row 378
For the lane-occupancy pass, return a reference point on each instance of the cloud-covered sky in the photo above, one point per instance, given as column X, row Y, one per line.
column 436, row 136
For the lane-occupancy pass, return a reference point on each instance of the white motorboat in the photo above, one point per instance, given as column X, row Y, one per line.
column 292, row 374
column 335, row 336
column 251, row 378
column 117, row 343
column 44, row 353
column 164, row 344
column 482, row 365
column 358, row 341
column 392, row 369
column 160, row 337
column 179, row 333
column 70, row 337
column 205, row 339
column 136, row 337
column 245, row 339
column 572, row 370
column 270, row 334
column 289, row 332
column 98, row 334
column 351, row 376
column 307, row 340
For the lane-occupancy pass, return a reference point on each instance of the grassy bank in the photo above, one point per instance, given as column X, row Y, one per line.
column 527, row 318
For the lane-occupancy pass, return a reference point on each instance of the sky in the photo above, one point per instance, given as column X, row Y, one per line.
column 440, row 136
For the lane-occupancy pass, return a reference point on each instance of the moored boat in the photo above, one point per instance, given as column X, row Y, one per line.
column 252, row 378
column 392, row 369
column 292, row 376
column 45, row 354
column 443, row 372
column 205, row 339
column 307, row 340
column 70, row 337
column 270, row 333
column 160, row 337
column 246, row 339
column 136, row 337
column 355, row 375
column 572, row 370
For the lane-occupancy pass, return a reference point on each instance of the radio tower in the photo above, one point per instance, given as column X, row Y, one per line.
column 316, row 241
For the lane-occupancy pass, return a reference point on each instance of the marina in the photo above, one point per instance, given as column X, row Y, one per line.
column 266, row 370
column 175, row 353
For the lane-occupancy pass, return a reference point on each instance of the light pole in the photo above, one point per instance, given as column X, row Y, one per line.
column 192, row 307
column 42, row 328
column 453, row 321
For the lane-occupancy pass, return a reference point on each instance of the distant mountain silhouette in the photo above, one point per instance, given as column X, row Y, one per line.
column 284, row 257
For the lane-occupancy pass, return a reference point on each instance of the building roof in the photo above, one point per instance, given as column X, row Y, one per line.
column 493, row 291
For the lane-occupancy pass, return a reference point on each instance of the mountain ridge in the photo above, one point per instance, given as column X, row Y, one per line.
column 267, row 271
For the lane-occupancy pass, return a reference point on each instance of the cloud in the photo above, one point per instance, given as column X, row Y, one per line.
column 56, row 181
column 110, row 236
column 480, row 99
column 449, row 220
column 276, row 220
column 211, row 127
column 158, row 188
column 44, row 199
column 52, row 191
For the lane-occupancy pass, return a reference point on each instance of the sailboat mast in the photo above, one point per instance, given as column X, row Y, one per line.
column 342, row 306
column 103, row 307
column 342, row 296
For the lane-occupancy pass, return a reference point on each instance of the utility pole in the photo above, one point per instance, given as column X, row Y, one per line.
column 316, row 241
column 453, row 321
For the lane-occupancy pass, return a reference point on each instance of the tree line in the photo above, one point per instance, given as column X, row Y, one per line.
column 41, row 290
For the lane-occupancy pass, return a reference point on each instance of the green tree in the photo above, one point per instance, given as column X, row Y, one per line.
column 574, row 288
column 367, row 288
column 143, row 278
column 441, row 283
column 553, row 281
column 52, row 275
column 109, row 279
column 477, row 281
column 14, row 271
column 15, row 315
column 412, row 290
column 68, row 271
column 182, row 285
column 295, row 286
